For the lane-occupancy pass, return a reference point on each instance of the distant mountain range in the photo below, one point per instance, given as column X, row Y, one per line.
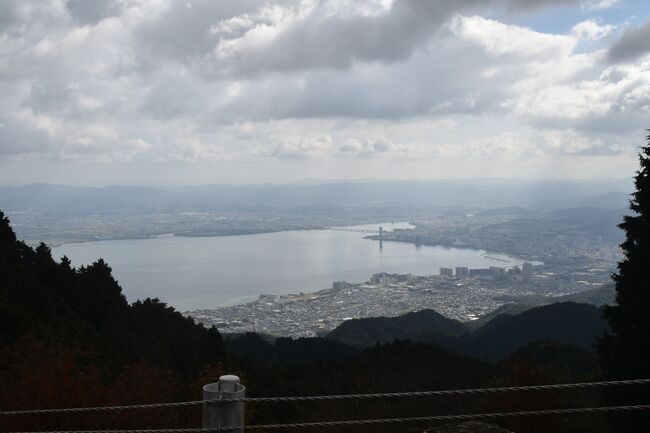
column 608, row 193
column 598, row 296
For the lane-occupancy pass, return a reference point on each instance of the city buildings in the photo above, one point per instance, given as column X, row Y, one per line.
column 527, row 271
column 448, row 272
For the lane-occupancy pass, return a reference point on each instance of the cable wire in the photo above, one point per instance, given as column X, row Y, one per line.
column 462, row 417
column 333, row 397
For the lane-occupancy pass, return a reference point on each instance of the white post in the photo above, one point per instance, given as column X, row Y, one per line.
column 219, row 415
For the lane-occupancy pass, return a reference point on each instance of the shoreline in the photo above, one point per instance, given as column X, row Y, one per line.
column 207, row 234
column 59, row 243
column 487, row 253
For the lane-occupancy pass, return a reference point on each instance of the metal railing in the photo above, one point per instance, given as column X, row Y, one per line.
column 224, row 407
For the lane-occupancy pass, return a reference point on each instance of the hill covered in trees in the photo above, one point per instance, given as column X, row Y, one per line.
column 516, row 326
column 565, row 323
column 425, row 324
column 70, row 337
column 50, row 301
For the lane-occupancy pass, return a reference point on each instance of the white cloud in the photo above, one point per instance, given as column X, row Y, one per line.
column 370, row 147
column 599, row 5
column 500, row 39
column 317, row 83
column 615, row 100
column 592, row 30
column 300, row 147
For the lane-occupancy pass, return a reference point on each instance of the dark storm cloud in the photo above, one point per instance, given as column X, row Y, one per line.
column 423, row 85
column 634, row 43
column 318, row 39
column 182, row 30
column 92, row 11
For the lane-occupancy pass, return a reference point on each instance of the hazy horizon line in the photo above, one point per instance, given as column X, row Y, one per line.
column 311, row 181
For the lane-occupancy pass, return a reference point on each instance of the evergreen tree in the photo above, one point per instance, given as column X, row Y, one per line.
column 7, row 238
column 7, row 235
column 625, row 353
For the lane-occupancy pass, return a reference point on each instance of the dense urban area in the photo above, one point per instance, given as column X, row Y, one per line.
column 462, row 293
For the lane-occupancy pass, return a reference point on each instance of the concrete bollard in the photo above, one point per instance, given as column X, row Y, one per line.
column 219, row 415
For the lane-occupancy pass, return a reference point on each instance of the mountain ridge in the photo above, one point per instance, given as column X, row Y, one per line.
column 564, row 322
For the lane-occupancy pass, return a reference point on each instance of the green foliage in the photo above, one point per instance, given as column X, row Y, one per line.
column 398, row 366
column 56, row 302
column 566, row 323
column 368, row 331
column 625, row 353
column 542, row 363
column 561, row 362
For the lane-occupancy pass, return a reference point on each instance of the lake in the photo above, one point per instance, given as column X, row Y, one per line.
column 204, row 272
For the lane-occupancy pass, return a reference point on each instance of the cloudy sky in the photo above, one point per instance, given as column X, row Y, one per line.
column 191, row 92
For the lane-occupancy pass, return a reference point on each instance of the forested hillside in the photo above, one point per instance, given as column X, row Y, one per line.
column 71, row 338
column 421, row 325
column 500, row 336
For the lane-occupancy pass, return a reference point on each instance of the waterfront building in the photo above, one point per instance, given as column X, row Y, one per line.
column 527, row 271
column 480, row 272
column 514, row 271
column 495, row 270
column 448, row 272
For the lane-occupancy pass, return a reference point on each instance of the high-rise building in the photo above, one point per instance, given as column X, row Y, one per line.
column 514, row 271
column 462, row 271
column 495, row 270
column 448, row 272
column 480, row 272
column 527, row 271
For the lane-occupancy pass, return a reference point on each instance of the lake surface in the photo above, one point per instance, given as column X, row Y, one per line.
column 204, row 272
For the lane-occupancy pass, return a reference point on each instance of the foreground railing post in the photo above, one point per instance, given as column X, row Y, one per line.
column 224, row 414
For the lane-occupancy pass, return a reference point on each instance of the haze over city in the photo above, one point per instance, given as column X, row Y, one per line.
column 199, row 92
